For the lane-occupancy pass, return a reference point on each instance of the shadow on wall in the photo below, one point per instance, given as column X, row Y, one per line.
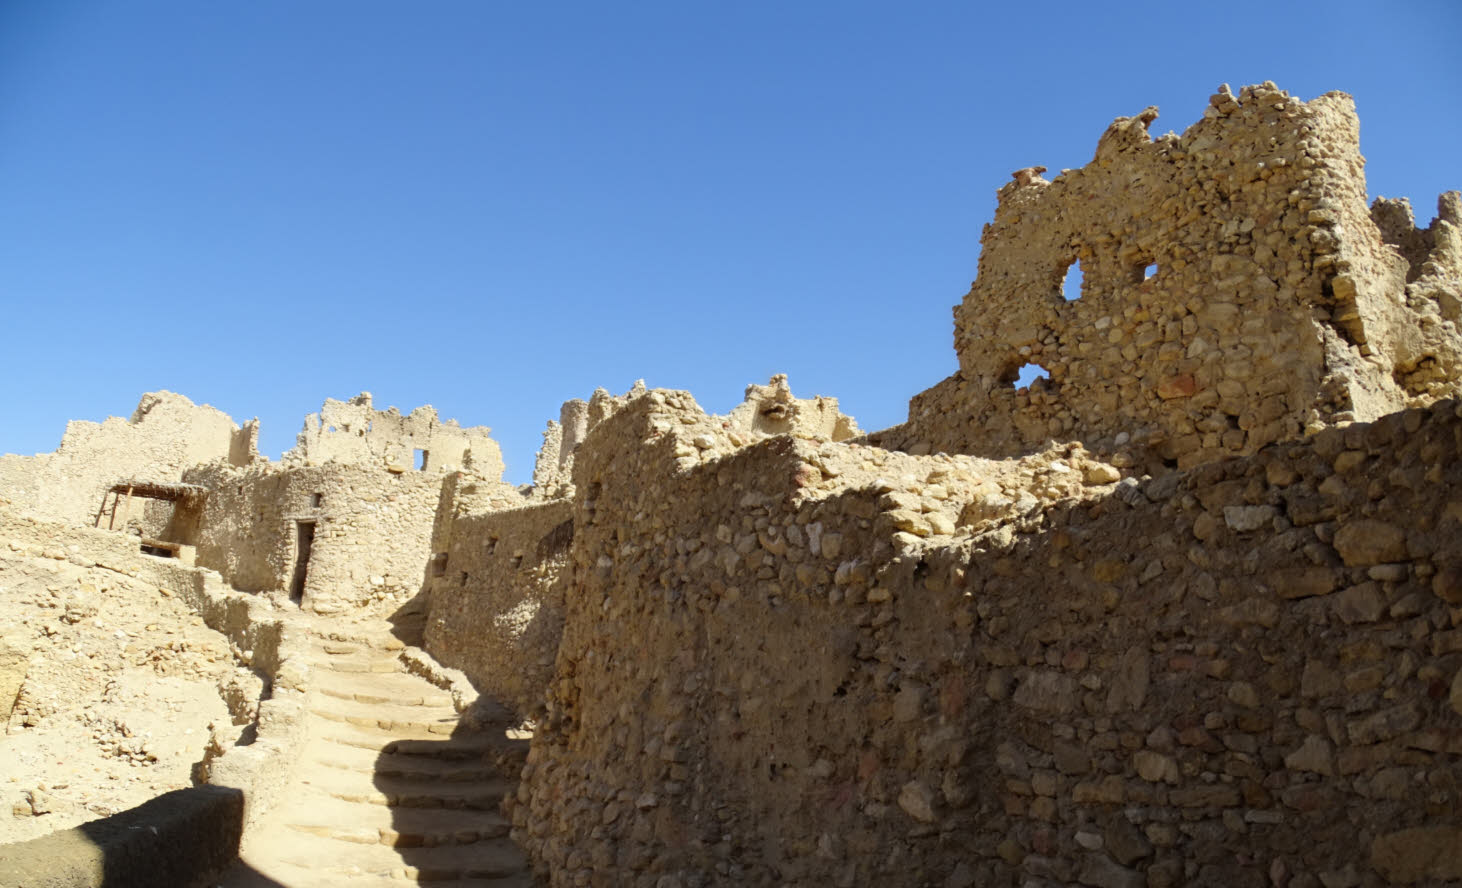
column 182, row 838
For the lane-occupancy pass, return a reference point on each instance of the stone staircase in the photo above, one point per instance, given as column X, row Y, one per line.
column 392, row 788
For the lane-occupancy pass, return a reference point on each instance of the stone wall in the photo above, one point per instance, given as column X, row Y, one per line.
column 165, row 435
column 780, row 667
column 137, row 848
column 354, row 433
column 1235, row 291
column 497, row 598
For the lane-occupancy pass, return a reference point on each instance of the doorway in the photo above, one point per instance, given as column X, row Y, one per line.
column 304, row 539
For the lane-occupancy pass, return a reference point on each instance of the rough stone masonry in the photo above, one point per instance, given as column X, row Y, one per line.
column 1185, row 611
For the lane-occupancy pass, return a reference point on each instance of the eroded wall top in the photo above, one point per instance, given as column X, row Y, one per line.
column 771, row 409
column 1234, row 290
column 355, row 433
column 165, row 435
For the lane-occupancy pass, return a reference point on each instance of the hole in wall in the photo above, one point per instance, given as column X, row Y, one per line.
column 491, row 545
column 1149, row 270
column 420, row 457
column 317, row 500
column 1030, row 373
column 1143, row 269
column 1073, row 282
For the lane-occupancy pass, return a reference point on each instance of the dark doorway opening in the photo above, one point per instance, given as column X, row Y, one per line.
column 304, row 539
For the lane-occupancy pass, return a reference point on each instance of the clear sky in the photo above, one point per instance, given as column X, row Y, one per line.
column 493, row 207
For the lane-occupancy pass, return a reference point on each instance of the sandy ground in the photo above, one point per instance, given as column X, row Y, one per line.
column 118, row 686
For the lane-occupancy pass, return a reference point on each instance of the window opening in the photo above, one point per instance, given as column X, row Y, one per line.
column 1030, row 373
column 317, row 500
column 1149, row 270
column 420, row 457
column 1073, row 282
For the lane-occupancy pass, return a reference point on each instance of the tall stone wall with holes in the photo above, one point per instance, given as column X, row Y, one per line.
column 496, row 600
column 811, row 663
column 1236, row 292
column 354, row 433
column 165, row 435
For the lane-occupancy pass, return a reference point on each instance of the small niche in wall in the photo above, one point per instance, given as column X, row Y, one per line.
column 491, row 545
column 317, row 500
column 1073, row 282
column 439, row 564
column 420, row 457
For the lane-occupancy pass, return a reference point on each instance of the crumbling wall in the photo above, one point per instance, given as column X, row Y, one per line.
column 772, row 410
column 553, row 470
column 772, row 673
column 354, row 433
column 767, row 410
column 165, row 435
column 496, row 600
column 1235, row 291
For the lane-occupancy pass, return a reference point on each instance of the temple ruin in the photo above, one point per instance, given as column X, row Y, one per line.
column 1185, row 610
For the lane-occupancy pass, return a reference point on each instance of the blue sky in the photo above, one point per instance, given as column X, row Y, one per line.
column 494, row 207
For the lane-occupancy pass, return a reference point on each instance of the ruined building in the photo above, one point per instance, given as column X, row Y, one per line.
column 1185, row 611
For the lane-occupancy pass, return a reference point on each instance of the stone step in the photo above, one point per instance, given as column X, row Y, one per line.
column 356, row 663
column 395, row 688
column 464, row 745
column 367, row 824
column 279, row 874
column 386, row 764
column 330, row 859
column 386, row 716
column 407, row 792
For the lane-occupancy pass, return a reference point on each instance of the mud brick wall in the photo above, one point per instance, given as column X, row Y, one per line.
column 1248, row 671
column 497, row 599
